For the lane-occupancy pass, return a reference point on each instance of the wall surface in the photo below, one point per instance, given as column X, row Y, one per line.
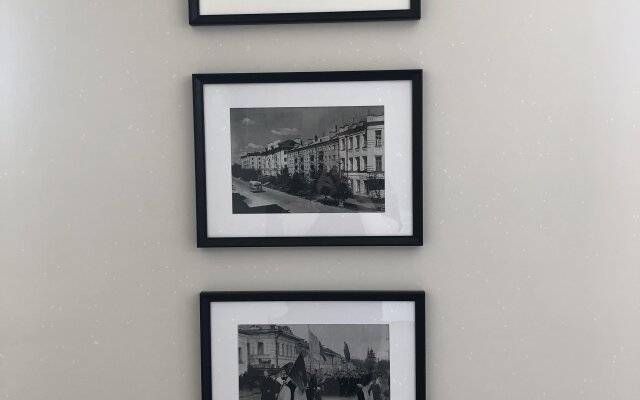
column 532, row 195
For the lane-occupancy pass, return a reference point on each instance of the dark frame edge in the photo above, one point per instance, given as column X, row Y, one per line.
column 413, row 75
column 205, row 347
column 417, row 297
column 421, row 346
column 416, row 156
column 309, row 241
column 200, row 160
column 194, row 11
column 197, row 19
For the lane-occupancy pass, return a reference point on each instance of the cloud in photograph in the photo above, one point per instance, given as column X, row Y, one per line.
column 247, row 121
column 285, row 131
column 252, row 147
column 261, row 126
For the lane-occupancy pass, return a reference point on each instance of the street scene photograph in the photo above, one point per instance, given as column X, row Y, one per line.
column 314, row 362
column 307, row 159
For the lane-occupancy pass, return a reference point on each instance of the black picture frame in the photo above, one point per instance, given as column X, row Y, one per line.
column 417, row 297
column 196, row 19
column 412, row 75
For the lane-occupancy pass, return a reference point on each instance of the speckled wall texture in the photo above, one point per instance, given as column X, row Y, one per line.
column 532, row 195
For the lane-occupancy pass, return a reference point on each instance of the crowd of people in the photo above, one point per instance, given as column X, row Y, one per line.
column 278, row 385
column 349, row 383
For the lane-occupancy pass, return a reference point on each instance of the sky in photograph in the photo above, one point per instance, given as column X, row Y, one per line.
column 253, row 128
column 358, row 337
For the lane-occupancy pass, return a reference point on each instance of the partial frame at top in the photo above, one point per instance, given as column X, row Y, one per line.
column 245, row 12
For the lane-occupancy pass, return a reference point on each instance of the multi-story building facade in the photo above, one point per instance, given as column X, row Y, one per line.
column 272, row 160
column 273, row 346
column 314, row 155
column 332, row 361
column 355, row 152
column 361, row 153
column 251, row 160
column 266, row 346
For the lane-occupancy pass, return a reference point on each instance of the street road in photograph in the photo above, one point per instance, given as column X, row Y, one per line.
column 289, row 202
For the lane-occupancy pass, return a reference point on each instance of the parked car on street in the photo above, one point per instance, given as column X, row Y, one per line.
column 255, row 186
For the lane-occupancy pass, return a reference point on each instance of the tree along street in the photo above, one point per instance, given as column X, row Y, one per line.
column 293, row 204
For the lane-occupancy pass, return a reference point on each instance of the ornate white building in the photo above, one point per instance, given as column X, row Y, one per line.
column 272, row 346
column 265, row 346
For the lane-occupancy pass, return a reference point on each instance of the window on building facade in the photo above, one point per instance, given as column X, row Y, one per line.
column 260, row 348
column 378, row 163
column 357, row 186
column 357, row 142
column 378, row 138
column 358, row 164
column 364, row 140
column 350, row 143
column 364, row 163
column 341, row 144
column 350, row 164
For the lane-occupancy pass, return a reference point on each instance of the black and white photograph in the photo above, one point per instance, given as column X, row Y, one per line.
column 308, row 159
column 314, row 362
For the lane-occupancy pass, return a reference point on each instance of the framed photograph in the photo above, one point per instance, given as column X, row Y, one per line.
column 309, row 158
column 225, row 12
column 313, row 345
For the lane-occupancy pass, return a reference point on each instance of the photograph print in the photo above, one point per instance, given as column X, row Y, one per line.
column 314, row 362
column 307, row 159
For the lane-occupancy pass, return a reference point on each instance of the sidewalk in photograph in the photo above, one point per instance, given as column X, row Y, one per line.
column 288, row 202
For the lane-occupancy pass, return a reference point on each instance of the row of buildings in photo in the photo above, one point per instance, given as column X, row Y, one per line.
column 353, row 151
column 264, row 347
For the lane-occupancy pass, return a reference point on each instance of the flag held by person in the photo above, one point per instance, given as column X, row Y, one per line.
column 322, row 353
column 315, row 348
column 298, row 373
column 347, row 354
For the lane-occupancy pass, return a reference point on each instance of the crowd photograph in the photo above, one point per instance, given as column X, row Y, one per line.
column 300, row 362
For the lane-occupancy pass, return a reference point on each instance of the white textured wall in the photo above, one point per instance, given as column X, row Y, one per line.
column 532, row 195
